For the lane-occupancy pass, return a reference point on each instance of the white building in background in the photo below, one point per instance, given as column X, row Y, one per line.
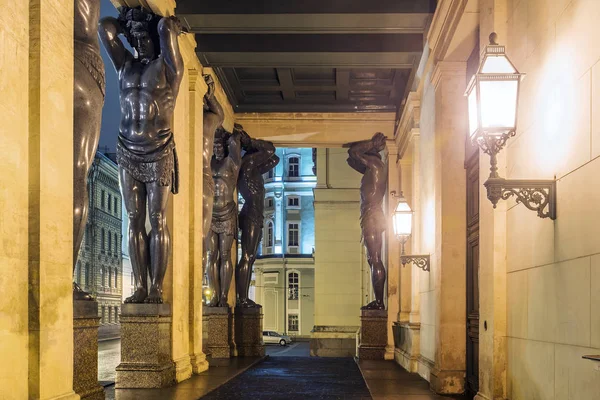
column 284, row 270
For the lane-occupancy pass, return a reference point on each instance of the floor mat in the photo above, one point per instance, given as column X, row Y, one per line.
column 298, row 378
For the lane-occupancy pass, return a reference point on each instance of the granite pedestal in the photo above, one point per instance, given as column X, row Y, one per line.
column 248, row 332
column 373, row 334
column 146, row 359
column 85, row 350
column 216, row 333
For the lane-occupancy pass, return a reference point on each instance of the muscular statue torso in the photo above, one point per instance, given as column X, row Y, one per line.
column 372, row 190
column 225, row 175
column 251, row 186
column 147, row 105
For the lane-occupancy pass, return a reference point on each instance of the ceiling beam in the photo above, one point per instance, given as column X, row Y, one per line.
column 287, row 83
column 304, row 6
column 315, row 43
column 306, row 23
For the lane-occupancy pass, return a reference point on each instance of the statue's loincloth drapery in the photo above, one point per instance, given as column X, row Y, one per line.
column 159, row 166
column 225, row 220
column 92, row 61
column 372, row 219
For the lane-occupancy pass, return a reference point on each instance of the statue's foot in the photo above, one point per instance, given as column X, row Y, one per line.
column 374, row 305
column 155, row 296
column 223, row 302
column 80, row 294
column 213, row 302
column 138, row 296
column 247, row 303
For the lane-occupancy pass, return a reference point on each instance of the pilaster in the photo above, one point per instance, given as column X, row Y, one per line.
column 49, row 183
column 449, row 81
column 393, row 250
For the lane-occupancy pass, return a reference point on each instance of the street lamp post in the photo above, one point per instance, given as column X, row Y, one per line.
column 493, row 100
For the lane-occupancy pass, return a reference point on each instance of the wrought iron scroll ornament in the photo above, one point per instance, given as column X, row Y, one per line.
column 536, row 195
column 419, row 261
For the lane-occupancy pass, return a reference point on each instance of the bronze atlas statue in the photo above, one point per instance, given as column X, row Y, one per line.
column 225, row 165
column 88, row 99
column 364, row 157
column 259, row 158
column 148, row 86
column 213, row 118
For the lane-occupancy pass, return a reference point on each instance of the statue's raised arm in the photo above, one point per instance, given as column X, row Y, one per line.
column 168, row 30
column 109, row 30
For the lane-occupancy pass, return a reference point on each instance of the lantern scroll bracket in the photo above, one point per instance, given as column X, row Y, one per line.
column 536, row 195
column 420, row 261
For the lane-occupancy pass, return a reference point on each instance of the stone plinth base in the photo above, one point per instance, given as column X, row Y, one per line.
column 408, row 345
column 248, row 332
column 216, row 332
column 85, row 350
column 333, row 341
column 145, row 347
column 373, row 334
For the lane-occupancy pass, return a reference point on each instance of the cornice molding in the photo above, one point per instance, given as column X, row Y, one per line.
column 445, row 21
column 444, row 69
column 409, row 122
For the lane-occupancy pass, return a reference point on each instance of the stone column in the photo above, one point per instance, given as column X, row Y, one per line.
column 196, row 117
column 146, row 347
column 43, row 223
column 393, row 249
column 85, row 355
column 448, row 273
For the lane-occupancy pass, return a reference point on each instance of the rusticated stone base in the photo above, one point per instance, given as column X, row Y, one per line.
column 145, row 347
column 85, row 350
column 216, row 332
column 248, row 332
column 447, row 382
column 333, row 341
column 373, row 334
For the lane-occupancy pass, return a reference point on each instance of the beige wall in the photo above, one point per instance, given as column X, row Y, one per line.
column 340, row 284
column 553, row 268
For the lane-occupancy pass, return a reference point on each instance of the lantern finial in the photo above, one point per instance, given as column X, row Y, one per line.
column 494, row 38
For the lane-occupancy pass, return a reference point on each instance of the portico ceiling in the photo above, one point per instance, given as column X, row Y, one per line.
column 310, row 55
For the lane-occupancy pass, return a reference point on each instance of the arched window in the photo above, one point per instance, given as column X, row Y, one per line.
column 109, row 312
column 116, row 209
column 293, row 286
column 109, row 242
column 116, row 277
column 109, row 202
column 293, row 167
column 269, row 234
column 116, row 244
column 102, row 240
column 109, row 277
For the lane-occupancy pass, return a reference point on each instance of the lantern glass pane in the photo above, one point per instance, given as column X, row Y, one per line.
column 402, row 219
column 473, row 117
column 497, row 65
column 498, row 104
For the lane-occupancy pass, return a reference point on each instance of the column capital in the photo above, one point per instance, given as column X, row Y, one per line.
column 197, row 82
column 446, row 69
column 165, row 8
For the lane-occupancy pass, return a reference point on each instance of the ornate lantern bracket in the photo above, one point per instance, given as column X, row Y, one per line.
column 419, row 261
column 536, row 195
column 402, row 222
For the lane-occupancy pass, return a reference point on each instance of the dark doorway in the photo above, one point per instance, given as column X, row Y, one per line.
column 472, row 170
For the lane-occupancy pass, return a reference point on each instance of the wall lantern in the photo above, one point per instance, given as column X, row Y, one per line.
column 493, row 99
column 402, row 222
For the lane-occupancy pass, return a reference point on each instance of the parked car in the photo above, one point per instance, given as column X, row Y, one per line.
column 276, row 338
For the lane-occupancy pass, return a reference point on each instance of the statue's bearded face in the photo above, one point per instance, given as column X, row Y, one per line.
column 219, row 149
column 143, row 46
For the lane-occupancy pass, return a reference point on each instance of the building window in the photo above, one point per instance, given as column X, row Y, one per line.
column 78, row 273
column 293, row 167
column 109, row 277
column 109, row 202
column 292, row 323
column 271, row 173
column 293, row 234
column 116, row 278
column 109, row 242
column 116, row 244
column 293, row 202
column 270, row 234
column 293, row 286
column 269, row 202
column 87, row 235
column 102, row 199
column 115, row 208
column 117, row 314
column 103, row 315
column 102, row 240
column 109, row 314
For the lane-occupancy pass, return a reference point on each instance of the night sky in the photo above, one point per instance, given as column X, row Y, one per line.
column 110, row 113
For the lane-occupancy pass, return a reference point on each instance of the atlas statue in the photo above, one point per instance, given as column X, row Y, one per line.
column 225, row 165
column 88, row 99
column 213, row 118
column 259, row 158
column 365, row 157
column 148, row 86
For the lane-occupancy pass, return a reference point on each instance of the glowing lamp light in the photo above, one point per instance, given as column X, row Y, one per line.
column 402, row 220
column 493, row 95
